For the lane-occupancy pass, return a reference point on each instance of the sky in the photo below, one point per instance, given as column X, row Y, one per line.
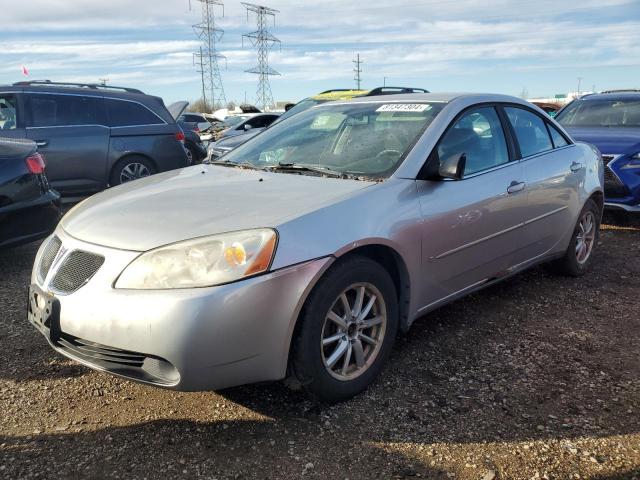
column 498, row 46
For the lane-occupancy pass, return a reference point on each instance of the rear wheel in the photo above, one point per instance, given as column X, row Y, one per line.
column 346, row 331
column 579, row 255
column 129, row 169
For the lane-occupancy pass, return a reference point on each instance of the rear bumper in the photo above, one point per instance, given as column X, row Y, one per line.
column 28, row 221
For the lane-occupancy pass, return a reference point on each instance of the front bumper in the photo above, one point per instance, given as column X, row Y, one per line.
column 189, row 339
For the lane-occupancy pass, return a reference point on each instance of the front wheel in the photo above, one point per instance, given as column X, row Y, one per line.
column 579, row 255
column 347, row 329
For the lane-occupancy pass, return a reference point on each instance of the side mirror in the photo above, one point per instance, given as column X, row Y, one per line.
column 247, row 127
column 453, row 166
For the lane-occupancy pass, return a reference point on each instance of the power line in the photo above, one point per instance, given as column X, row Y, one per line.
column 264, row 41
column 357, row 70
column 208, row 55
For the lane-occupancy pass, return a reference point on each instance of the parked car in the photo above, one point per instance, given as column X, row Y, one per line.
column 258, row 121
column 611, row 122
column 550, row 108
column 94, row 136
column 198, row 119
column 225, row 145
column 29, row 207
column 336, row 228
column 196, row 151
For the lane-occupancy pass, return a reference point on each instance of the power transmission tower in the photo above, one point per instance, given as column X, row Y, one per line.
column 357, row 70
column 197, row 61
column 264, row 41
column 208, row 56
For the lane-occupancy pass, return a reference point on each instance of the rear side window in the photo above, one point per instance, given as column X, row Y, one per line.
column 8, row 112
column 530, row 130
column 65, row 110
column 123, row 113
column 479, row 136
column 557, row 137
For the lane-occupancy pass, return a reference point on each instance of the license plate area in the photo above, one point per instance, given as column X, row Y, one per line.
column 44, row 312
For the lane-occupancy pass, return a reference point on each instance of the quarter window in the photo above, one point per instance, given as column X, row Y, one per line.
column 124, row 114
column 479, row 136
column 530, row 130
column 64, row 110
column 8, row 112
column 557, row 137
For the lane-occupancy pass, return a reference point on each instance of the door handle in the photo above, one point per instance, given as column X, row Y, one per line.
column 515, row 187
column 576, row 167
column 42, row 143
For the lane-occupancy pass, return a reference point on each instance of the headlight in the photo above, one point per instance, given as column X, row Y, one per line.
column 202, row 262
column 633, row 163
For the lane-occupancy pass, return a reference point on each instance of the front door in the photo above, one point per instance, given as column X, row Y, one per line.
column 71, row 133
column 472, row 226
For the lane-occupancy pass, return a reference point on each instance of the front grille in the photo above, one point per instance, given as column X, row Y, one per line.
column 75, row 271
column 100, row 354
column 613, row 187
column 48, row 256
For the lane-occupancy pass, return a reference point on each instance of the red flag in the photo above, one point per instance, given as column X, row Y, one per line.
column 25, row 72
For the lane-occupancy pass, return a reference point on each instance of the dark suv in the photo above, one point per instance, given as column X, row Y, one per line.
column 92, row 136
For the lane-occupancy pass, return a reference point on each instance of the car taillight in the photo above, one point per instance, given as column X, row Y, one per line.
column 35, row 163
column 180, row 136
column 196, row 129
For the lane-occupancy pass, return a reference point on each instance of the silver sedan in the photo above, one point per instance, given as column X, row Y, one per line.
column 303, row 252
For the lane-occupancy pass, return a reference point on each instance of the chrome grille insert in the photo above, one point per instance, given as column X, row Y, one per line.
column 48, row 256
column 75, row 271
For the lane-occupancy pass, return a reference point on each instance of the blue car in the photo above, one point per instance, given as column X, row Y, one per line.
column 611, row 122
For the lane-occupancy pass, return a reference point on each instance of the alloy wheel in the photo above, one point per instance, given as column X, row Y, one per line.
column 586, row 237
column 353, row 331
column 133, row 171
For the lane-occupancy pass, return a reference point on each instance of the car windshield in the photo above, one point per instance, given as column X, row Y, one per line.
column 601, row 113
column 301, row 106
column 360, row 139
column 233, row 121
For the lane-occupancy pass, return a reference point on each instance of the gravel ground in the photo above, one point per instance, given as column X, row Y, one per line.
column 537, row 377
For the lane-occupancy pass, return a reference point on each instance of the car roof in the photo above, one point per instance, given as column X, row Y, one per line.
column 439, row 97
column 330, row 95
column 75, row 90
column 621, row 95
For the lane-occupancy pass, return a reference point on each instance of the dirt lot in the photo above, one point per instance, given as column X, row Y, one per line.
column 538, row 377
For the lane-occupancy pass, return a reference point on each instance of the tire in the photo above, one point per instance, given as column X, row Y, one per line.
column 132, row 167
column 315, row 366
column 574, row 264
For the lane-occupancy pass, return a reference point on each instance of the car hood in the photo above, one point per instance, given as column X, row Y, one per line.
column 613, row 141
column 198, row 201
column 176, row 109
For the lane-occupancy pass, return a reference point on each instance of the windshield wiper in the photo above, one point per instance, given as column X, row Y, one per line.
column 308, row 168
column 229, row 163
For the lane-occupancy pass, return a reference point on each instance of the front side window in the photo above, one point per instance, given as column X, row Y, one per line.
column 368, row 139
column 8, row 112
column 530, row 130
column 64, row 110
column 601, row 113
column 124, row 114
column 477, row 135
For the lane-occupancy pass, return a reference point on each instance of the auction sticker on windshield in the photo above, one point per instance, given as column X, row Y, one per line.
column 404, row 107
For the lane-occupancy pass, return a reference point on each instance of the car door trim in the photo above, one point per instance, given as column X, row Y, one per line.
column 496, row 234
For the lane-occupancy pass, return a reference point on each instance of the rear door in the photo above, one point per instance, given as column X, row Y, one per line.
column 12, row 121
column 472, row 226
column 552, row 179
column 71, row 133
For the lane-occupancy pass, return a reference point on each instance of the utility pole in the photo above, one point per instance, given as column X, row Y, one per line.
column 579, row 81
column 208, row 55
column 103, row 81
column 263, row 41
column 357, row 70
